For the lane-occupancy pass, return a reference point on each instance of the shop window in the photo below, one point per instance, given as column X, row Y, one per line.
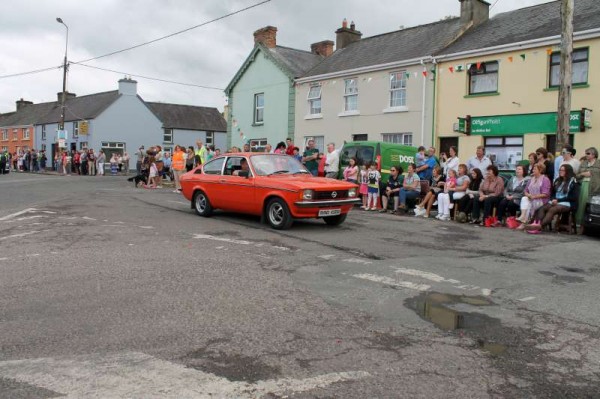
column 397, row 138
column 314, row 100
column 580, row 67
column 483, row 78
column 504, row 152
column 350, row 95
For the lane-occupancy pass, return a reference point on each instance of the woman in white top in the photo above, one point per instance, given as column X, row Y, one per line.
column 451, row 162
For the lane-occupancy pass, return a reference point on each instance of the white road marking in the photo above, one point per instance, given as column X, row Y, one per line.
column 357, row 260
column 49, row 212
column 219, row 247
column 89, row 218
column 486, row 292
column 141, row 227
column 12, row 215
column 529, row 298
column 137, row 375
column 222, row 239
column 179, row 202
column 327, row 257
column 281, row 248
column 30, row 217
column 3, row 258
column 390, row 281
column 440, row 279
column 19, row 235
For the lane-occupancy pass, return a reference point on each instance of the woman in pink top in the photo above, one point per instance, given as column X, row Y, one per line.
column 351, row 171
column 537, row 194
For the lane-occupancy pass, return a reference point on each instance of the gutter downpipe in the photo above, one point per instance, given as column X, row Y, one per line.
column 424, row 103
column 433, row 122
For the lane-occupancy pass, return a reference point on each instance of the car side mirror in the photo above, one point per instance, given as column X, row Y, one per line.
column 244, row 173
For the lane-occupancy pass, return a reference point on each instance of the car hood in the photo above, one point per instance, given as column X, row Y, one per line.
column 306, row 182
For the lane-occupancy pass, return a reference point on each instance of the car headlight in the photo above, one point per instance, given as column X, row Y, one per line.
column 595, row 200
column 308, row 194
column 352, row 193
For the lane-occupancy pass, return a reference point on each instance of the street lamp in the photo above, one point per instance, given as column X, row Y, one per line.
column 64, row 88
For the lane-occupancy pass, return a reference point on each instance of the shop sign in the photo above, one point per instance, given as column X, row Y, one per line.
column 506, row 125
column 587, row 118
column 83, row 128
column 62, row 143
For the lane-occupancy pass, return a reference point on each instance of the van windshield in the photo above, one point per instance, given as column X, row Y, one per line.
column 362, row 154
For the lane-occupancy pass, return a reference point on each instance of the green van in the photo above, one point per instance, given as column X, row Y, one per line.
column 384, row 154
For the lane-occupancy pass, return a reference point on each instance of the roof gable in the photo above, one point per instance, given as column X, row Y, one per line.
column 188, row 117
column 536, row 22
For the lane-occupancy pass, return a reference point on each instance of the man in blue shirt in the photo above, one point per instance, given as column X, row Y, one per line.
column 426, row 171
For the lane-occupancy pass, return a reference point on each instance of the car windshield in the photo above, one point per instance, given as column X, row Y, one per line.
column 265, row 165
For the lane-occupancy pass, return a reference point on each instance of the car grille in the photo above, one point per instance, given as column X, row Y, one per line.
column 325, row 195
column 595, row 209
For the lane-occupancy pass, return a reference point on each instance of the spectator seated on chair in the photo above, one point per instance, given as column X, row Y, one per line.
column 411, row 187
column 436, row 186
column 392, row 189
column 564, row 199
column 490, row 194
column 513, row 192
column 453, row 192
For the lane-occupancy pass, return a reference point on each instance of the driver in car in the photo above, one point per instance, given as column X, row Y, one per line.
column 244, row 167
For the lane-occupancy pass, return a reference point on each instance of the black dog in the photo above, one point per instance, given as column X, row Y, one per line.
column 141, row 178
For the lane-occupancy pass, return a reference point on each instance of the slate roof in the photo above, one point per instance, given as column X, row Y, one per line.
column 524, row 24
column 27, row 115
column 188, row 117
column 78, row 108
column 298, row 62
column 405, row 44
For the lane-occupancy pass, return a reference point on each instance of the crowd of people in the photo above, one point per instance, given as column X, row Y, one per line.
column 475, row 192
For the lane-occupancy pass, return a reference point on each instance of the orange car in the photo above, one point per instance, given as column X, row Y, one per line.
column 276, row 187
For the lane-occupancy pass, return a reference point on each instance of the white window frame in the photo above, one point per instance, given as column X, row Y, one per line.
column 314, row 98
column 319, row 142
column 259, row 108
column 351, row 92
column 43, row 132
column 399, row 87
column 168, row 136
column 4, row 148
column 26, row 135
column 258, row 145
column 483, row 74
column 15, row 134
column 43, row 147
column 210, row 138
column 5, row 134
column 398, row 138
column 75, row 129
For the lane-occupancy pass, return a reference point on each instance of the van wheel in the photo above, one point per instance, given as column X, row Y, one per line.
column 278, row 214
column 202, row 204
column 335, row 220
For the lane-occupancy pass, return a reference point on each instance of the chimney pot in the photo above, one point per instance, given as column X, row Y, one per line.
column 267, row 36
column 345, row 36
column 345, row 23
column 352, row 26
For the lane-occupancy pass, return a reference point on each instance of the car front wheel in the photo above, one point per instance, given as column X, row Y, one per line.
column 202, row 204
column 335, row 220
column 278, row 214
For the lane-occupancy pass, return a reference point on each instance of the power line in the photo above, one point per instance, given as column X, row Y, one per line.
column 31, row 72
column 176, row 33
column 151, row 78
column 493, row 5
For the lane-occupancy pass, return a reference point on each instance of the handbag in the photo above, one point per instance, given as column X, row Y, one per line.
column 490, row 221
column 512, row 222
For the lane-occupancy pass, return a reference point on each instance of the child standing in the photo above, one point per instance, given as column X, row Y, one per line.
column 153, row 175
column 364, row 181
column 373, row 178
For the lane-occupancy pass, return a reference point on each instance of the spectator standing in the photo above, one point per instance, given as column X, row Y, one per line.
column 590, row 168
column 332, row 162
column 200, row 154
column 449, row 162
column 140, row 159
column 296, row 154
column 289, row 147
column 280, row 148
column 91, row 162
column 189, row 159
column 532, row 161
column 310, row 158
column 351, row 171
column 373, row 179
column 100, row 163
column 480, row 160
column 125, row 161
column 363, row 180
column 568, row 158
column 3, row 162
column 542, row 158
column 43, row 160
column 114, row 164
column 179, row 166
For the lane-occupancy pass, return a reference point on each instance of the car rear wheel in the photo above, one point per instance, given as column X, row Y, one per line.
column 335, row 220
column 202, row 204
column 278, row 214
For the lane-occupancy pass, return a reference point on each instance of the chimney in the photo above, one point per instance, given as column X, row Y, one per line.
column 473, row 12
column 266, row 36
column 128, row 87
column 324, row 48
column 67, row 96
column 345, row 36
column 22, row 103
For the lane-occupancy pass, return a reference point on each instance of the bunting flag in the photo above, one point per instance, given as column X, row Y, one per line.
column 407, row 75
column 549, row 51
column 469, row 66
column 523, row 56
column 451, row 69
column 478, row 65
column 415, row 74
column 424, row 74
column 510, row 59
column 241, row 134
column 459, row 68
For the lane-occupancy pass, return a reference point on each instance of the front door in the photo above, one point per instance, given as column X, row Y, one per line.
column 447, row 142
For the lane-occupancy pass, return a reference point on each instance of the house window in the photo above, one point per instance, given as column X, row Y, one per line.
column 483, row 78
column 319, row 142
column 580, row 67
column 75, row 129
column 360, row 137
column 351, row 95
column 43, row 132
column 259, row 108
column 15, row 134
column 314, row 100
column 25, row 133
column 258, row 145
column 83, row 145
column 5, row 134
column 43, row 147
column 398, row 89
column 210, row 138
column 504, row 152
column 168, row 136
column 4, row 149
column 398, row 138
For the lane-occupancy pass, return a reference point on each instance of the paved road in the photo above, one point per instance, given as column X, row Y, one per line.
column 111, row 291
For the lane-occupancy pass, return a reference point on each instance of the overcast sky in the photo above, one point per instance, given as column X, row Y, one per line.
column 30, row 38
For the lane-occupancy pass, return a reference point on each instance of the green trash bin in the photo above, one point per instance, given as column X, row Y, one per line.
column 584, row 194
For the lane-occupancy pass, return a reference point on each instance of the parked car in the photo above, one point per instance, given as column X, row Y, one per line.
column 591, row 215
column 273, row 186
column 384, row 154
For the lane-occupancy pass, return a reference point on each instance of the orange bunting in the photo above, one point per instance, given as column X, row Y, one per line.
column 510, row 59
column 479, row 65
column 548, row 51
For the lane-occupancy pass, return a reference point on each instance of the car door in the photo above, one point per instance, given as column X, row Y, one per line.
column 211, row 174
column 237, row 192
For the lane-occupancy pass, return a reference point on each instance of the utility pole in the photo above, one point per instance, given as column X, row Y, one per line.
column 64, row 85
column 566, row 74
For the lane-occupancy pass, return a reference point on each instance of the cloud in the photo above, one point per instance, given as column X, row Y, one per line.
column 211, row 55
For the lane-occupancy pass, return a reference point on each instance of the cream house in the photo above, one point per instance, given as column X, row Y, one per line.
column 503, row 77
column 378, row 88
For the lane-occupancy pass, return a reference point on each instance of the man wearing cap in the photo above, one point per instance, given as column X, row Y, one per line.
column 140, row 160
